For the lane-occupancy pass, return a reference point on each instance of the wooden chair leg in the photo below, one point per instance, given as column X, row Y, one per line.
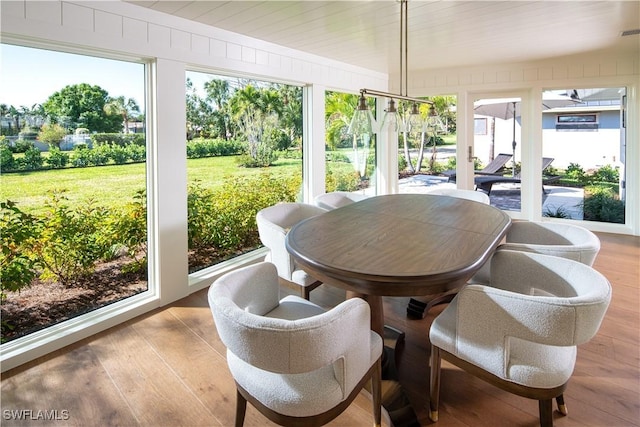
column 306, row 290
column 376, row 394
column 546, row 415
column 434, row 384
column 562, row 407
column 241, row 409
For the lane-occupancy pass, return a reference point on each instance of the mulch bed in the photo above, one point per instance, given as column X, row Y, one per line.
column 45, row 304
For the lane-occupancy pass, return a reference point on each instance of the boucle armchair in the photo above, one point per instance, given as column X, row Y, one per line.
column 337, row 199
column 298, row 364
column 558, row 239
column 274, row 222
column 520, row 333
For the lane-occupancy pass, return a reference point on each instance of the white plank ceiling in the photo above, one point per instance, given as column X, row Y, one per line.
column 441, row 33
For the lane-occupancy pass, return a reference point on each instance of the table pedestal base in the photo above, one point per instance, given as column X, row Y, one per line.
column 394, row 400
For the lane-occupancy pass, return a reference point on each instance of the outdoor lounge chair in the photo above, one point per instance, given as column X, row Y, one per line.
column 485, row 183
column 493, row 168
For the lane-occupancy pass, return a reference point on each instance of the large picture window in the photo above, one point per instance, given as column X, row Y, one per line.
column 244, row 153
column 73, row 220
column 350, row 162
column 587, row 179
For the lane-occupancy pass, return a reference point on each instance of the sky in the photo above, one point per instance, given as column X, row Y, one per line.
column 29, row 76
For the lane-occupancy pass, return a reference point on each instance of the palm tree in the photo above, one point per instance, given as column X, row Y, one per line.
column 126, row 107
column 219, row 92
column 14, row 114
column 4, row 112
column 339, row 108
column 35, row 115
column 291, row 115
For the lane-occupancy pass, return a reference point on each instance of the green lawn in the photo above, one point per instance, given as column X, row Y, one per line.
column 111, row 185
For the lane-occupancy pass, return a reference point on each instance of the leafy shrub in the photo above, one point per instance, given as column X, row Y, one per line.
column 32, row 159
column 607, row 173
column 137, row 153
column 402, row 163
column 342, row 180
column 600, row 204
column 290, row 154
column 100, row 155
column 201, row 147
column 57, row 159
column 126, row 228
column 337, row 156
column 439, row 140
column 18, row 266
column 197, row 149
column 7, row 162
column 52, row 134
column 118, row 154
column 138, row 139
column 280, row 139
column 120, row 139
column 70, row 242
column 22, row 145
column 225, row 218
column 81, row 157
column 262, row 156
column 575, row 172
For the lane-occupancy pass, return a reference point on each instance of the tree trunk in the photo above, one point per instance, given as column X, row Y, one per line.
column 420, row 153
column 407, row 155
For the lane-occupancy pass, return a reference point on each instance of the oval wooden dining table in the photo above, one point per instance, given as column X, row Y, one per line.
column 398, row 245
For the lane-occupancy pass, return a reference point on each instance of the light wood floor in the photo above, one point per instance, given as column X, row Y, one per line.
column 167, row 368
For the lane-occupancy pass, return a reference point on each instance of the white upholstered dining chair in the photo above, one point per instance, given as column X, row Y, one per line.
column 337, row 199
column 520, row 332
column 274, row 222
column 298, row 364
column 558, row 239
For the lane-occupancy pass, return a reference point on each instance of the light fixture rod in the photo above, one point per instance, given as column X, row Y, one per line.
column 404, row 48
column 374, row 92
column 404, row 63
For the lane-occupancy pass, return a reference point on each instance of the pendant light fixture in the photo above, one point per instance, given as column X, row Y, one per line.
column 392, row 119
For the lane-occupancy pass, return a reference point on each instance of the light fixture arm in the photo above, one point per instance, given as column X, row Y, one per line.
column 374, row 92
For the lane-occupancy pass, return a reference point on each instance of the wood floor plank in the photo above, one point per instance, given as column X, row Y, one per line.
column 150, row 386
column 75, row 382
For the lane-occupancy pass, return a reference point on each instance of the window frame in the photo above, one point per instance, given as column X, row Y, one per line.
column 44, row 341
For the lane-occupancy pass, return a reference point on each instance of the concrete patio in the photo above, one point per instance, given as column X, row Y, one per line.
column 556, row 200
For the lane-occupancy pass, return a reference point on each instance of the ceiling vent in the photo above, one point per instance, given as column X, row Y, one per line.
column 630, row 32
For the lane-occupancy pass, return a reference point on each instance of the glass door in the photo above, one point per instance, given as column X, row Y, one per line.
column 497, row 144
